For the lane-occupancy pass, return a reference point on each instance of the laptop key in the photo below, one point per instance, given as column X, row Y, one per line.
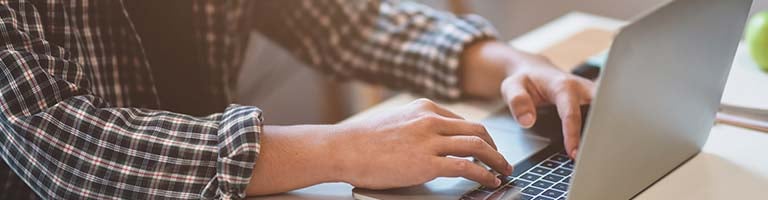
column 552, row 193
column 526, row 197
column 568, row 165
column 529, row 177
column 550, row 164
column 520, row 183
column 542, row 184
column 532, row 191
column 561, row 186
column 542, row 198
column 540, row 170
column 563, row 172
column 567, row 180
column 553, row 178
column 560, row 158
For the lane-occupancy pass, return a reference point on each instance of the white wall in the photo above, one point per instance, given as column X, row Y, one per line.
column 285, row 89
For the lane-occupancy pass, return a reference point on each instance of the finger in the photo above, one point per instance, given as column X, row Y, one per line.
column 588, row 90
column 442, row 111
column 457, row 167
column 519, row 101
column 456, row 127
column 464, row 146
column 569, row 109
column 430, row 105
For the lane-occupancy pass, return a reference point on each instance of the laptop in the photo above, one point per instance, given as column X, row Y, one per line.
column 656, row 101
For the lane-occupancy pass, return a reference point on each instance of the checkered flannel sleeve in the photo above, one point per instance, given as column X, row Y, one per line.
column 403, row 45
column 67, row 143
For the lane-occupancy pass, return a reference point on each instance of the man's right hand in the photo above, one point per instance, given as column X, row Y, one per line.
column 406, row 146
column 411, row 145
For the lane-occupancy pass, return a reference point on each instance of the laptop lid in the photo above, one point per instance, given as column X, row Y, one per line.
column 658, row 96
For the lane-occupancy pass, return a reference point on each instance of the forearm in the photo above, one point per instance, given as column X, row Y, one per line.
column 293, row 157
column 406, row 46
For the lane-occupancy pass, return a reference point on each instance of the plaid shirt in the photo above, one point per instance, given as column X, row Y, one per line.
column 80, row 114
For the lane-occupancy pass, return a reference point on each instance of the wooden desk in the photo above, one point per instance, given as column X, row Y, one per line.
column 732, row 165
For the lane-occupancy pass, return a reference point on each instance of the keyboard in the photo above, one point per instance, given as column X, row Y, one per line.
column 547, row 180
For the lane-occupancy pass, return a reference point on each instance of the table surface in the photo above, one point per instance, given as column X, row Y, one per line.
column 732, row 165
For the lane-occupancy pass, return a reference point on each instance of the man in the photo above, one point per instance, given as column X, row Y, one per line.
column 99, row 97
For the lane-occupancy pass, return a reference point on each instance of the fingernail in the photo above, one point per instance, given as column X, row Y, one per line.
column 497, row 183
column 525, row 120
column 509, row 169
column 574, row 152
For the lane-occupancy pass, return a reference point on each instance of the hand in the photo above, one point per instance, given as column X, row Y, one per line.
column 406, row 146
column 534, row 82
column 409, row 146
column 527, row 81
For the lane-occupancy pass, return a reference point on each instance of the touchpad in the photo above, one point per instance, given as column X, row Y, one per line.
column 514, row 142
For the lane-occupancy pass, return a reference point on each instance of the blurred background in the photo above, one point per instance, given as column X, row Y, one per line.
column 290, row 93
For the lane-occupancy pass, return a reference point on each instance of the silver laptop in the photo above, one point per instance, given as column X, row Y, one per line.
column 656, row 102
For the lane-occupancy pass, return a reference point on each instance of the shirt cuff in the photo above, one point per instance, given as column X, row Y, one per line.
column 238, row 137
column 466, row 30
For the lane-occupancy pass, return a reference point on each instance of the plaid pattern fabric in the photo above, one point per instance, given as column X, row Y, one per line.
column 80, row 115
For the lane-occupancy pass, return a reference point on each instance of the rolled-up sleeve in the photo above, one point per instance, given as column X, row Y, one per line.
column 238, row 147
column 403, row 45
column 65, row 142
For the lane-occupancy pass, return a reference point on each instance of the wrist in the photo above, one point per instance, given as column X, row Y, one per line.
column 520, row 60
column 337, row 160
column 486, row 64
column 307, row 148
column 346, row 163
column 329, row 157
column 292, row 157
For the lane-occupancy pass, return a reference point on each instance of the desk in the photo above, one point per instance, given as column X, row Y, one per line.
column 732, row 165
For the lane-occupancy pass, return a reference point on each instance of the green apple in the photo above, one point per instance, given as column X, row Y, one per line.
column 757, row 39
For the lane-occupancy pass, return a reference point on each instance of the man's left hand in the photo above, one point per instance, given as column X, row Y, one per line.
column 526, row 81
